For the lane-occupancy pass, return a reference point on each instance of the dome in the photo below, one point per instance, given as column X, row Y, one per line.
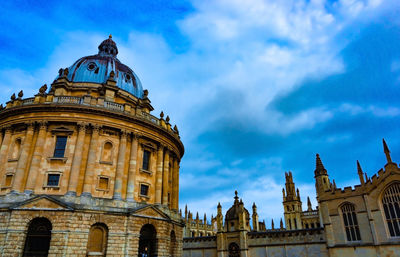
column 97, row 69
column 233, row 212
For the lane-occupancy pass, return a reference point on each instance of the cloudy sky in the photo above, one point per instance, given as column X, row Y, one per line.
column 255, row 87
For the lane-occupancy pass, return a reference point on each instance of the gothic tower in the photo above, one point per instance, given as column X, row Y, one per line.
column 291, row 204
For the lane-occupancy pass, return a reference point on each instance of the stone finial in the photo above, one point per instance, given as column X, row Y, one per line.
column 298, row 193
column 167, row 119
column 386, row 151
column 145, row 93
column 60, row 72
column 309, row 204
column 254, row 206
column 13, row 97
column 272, row 224
column 110, row 36
column 162, row 114
column 319, row 166
column 176, row 129
column 360, row 173
column 66, row 71
column 20, row 94
column 281, row 224
column 112, row 74
column 42, row 89
column 197, row 215
column 205, row 218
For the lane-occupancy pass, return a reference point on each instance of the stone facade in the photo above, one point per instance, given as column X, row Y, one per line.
column 359, row 221
column 85, row 165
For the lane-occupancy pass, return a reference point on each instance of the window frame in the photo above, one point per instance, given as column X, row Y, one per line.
column 140, row 189
column 384, row 217
column 111, row 161
column 347, row 229
column 46, row 180
column 59, row 149
column 3, row 184
column 98, row 183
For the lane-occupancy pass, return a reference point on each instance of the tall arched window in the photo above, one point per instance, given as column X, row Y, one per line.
column 38, row 238
column 391, row 202
column 234, row 250
column 350, row 222
column 173, row 244
column 97, row 242
column 148, row 241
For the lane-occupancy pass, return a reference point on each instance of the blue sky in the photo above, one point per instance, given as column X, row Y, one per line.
column 256, row 87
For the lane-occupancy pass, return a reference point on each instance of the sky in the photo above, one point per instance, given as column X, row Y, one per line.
column 256, row 87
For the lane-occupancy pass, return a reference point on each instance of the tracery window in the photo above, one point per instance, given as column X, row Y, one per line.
column 97, row 242
column 234, row 250
column 350, row 222
column 390, row 202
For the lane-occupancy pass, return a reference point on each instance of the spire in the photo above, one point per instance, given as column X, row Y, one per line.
column 272, row 224
column 197, row 215
column 309, row 204
column 205, row 219
column 298, row 193
column 281, row 224
column 360, row 173
column 319, row 167
column 386, row 151
column 236, row 197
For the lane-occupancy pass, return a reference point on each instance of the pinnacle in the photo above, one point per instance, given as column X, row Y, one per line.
column 359, row 169
column 385, row 147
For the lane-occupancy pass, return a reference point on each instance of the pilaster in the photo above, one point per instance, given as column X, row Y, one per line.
column 23, row 159
column 159, row 174
column 87, row 186
column 132, row 168
column 120, row 166
column 77, row 159
column 37, row 158
column 165, row 178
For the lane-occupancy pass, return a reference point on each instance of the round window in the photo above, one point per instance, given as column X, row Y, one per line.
column 127, row 78
column 91, row 66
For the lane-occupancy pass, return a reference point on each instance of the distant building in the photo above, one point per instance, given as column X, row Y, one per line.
column 360, row 221
column 86, row 170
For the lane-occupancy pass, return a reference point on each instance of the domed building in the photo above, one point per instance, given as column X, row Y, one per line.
column 86, row 170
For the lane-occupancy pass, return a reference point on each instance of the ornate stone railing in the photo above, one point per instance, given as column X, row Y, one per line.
column 310, row 213
column 68, row 99
column 114, row 106
column 28, row 101
column 151, row 118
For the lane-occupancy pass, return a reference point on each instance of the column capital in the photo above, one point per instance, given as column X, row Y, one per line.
column 124, row 133
column 30, row 125
column 43, row 124
column 82, row 126
column 7, row 129
column 96, row 128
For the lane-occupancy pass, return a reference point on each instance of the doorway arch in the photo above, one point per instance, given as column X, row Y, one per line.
column 234, row 250
column 148, row 241
column 37, row 242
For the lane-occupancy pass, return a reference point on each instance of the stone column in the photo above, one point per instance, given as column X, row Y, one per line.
column 91, row 161
column 23, row 159
column 120, row 167
column 159, row 174
column 4, row 150
column 37, row 158
column 77, row 160
column 165, row 178
column 175, row 183
column 1, row 137
column 132, row 169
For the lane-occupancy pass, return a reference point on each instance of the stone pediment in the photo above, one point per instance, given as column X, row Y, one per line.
column 41, row 203
column 150, row 212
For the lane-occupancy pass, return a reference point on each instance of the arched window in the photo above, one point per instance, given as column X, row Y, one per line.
column 38, row 238
column 97, row 241
column 107, row 153
column 234, row 250
column 16, row 149
column 148, row 241
column 173, row 244
column 350, row 222
column 391, row 202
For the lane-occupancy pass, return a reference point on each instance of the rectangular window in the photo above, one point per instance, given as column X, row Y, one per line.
column 144, row 189
column 59, row 150
column 8, row 180
column 53, row 180
column 103, row 183
column 146, row 160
